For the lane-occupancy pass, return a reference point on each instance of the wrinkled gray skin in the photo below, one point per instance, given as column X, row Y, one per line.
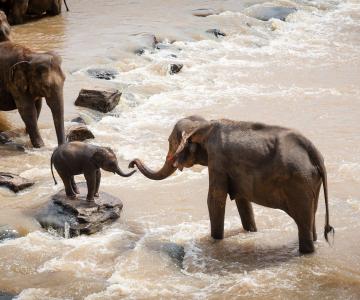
column 25, row 78
column 77, row 158
column 18, row 9
column 251, row 162
column 5, row 31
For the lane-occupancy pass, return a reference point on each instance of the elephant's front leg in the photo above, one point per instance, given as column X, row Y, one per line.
column 90, row 177
column 246, row 214
column 28, row 113
column 216, row 203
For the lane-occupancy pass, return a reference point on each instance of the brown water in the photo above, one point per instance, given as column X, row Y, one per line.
column 303, row 73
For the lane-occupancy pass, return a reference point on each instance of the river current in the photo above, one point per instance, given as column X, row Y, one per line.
column 303, row 73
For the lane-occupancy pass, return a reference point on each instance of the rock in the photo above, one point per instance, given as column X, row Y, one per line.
column 267, row 11
column 14, row 182
column 79, row 133
column 71, row 218
column 79, row 120
column 216, row 32
column 204, row 12
column 8, row 233
column 176, row 252
column 106, row 74
column 140, row 51
column 7, row 143
column 175, row 68
column 6, row 296
column 100, row 100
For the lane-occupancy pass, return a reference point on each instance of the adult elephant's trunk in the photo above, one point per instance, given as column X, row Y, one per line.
column 56, row 104
column 121, row 173
column 163, row 173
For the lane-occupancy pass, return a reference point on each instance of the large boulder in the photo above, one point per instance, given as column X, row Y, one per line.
column 14, row 182
column 99, row 100
column 73, row 217
column 79, row 133
column 267, row 11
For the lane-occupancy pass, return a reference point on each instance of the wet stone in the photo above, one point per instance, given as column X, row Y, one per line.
column 14, row 182
column 99, row 100
column 216, row 32
column 105, row 74
column 7, row 143
column 204, row 12
column 6, row 296
column 265, row 12
column 175, row 68
column 73, row 217
column 79, row 120
column 8, row 233
column 79, row 133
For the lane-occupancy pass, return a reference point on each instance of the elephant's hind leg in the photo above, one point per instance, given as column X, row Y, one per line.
column 98, row 179
column 246, row 214
column 74, row 186
column 68, row 186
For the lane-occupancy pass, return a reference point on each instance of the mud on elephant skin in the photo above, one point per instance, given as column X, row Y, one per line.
column 27, row 77
column 5, row 31
column 77, row 158
column 251, row 162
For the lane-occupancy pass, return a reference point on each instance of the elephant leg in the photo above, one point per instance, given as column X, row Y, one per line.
column 28, row 114
column 90, row 177
column 315, row 209
column 74, row 186
column 98, row 179
column 216, row 203
column 18, row 11
column 38, row 105
column 246, row 214
column 66, row 179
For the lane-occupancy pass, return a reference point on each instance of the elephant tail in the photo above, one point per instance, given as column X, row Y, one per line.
column 51, row 166
column 318, row 161
column 67, row 8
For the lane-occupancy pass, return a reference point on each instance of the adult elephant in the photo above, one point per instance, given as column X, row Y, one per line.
column 18, row 9
column 251, row 162
column 5, row 31
column 25, row 78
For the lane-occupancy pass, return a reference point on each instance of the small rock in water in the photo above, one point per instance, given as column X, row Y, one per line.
column 99, row 100
column 140, row 51
column 106, row 74
column 79, row 120
column 73, row 217
column 216, row 32
column 267, row 11
column 8, row 233
column 14, row 182
column 176, row 252
column 7, row 142
column 204, row 12
column 79, row 133
column 175, row 68
column 6, row 296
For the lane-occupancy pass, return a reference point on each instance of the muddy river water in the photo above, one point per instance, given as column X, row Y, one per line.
column 303, row 73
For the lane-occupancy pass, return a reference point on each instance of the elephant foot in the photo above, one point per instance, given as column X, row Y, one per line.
column 90, row 199
column 71, row 196
column 96, row 195
column 306, row 246
column 38, row 144
column 250, row 228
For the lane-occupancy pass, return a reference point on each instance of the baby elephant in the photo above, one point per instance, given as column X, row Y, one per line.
column 80, row 158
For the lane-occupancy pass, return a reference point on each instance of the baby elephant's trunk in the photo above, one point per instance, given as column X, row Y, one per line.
column 121, row 173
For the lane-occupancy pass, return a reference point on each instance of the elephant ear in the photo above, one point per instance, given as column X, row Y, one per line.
column 195, row 134
column 18, row 75
column 98, row 157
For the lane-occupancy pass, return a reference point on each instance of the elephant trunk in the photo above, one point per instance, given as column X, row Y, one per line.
column 163, row 173
column 56, row 104
column 121, row 173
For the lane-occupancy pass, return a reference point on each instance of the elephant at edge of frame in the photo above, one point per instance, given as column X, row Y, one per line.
column 251, row 162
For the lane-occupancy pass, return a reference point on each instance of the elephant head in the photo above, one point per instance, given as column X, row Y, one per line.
column 187, row 147
column 40, row 75
column 105, row 159
column 5, row 32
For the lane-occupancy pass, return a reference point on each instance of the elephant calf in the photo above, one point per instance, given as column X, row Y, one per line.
column 251, row 162
column 80, row 158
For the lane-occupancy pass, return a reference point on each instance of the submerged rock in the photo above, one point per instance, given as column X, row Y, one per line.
column 100, row 100
column 73, row 217
column 79, row 120
column 175, row 68
column 216, row 32
column 7, row 233
column 14, row 182
column 6, row 296
column 267, row 11
column 106, row 74
column 79, row 133
column 176, row 252
column 204, row 12
column 7, row 142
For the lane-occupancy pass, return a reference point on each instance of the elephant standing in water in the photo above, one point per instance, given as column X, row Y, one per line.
column 18, row 9
column 25, row 78
column 251, row 162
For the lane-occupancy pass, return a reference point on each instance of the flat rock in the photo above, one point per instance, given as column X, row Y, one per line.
column 99, row 100
column 8, row 233
column 79, row 133
column 73, row 217
column 14, row 182
column 105, row 74
column 175, row 68
column 204, row 12
column 267, row 11
column 216, row 32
